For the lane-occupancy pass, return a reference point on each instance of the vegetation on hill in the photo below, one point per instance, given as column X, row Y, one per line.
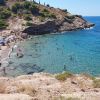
column 24, row 9
column 2, row 2
column 5, row 13
column 31, row 12
column 96, row 83
column 3, row 24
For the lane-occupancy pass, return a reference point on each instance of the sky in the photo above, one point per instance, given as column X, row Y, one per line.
column 81, row 7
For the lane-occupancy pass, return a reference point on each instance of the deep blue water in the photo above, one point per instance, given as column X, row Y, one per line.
column 77, row 51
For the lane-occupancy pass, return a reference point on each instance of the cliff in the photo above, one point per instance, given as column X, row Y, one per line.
column 35, row 19
column 52, row 26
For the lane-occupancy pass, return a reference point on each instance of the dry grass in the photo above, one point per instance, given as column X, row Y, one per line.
column 88, row 76
column 26, row 89
column 70, row 98
column 2, row 87
column 64, row 98
column 96, row 83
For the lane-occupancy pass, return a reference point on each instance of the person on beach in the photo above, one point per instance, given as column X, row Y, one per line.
column 0, row 46
column 8, row 45
column 4, row 70
column 10, row 52
column 0, row 61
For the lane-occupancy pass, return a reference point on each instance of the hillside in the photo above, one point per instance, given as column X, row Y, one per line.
column 30, row 17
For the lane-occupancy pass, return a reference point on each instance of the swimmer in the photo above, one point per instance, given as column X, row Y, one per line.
column 64, row 67
column 71, row 58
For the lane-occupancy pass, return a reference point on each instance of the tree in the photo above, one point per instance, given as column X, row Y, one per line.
column 27, row 4
column 2, row 2
column 5, row 13
column 16, row 7
column 3, row 24
column 48, row 5
column 34, row 9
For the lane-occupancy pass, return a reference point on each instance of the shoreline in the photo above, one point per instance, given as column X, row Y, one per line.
column 8, row 52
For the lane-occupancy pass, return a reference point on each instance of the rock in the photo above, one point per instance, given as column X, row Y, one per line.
column 82, row 90
column 52, row 26
column 20, row 55
column 41, row 28
column 73, row 82
column 24, row 35
column 10, row 38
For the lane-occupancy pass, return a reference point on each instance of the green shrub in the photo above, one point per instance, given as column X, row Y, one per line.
column 46, row 13
column 96, row 83
column 27, row 17
column 5, row 13
column 14, row 15
column 78, row 16
column 70, row 17
column 45, row 10
column 71, row 98
column 27, row 4
column 2, row 2
column 65, row 10
column 29, row 24
column 25, row 7
column 34, row 10
column 42, row 14
column 48, row 5
column 64, row 76
column 52, row 16
column 3, row 24
column 16, row 7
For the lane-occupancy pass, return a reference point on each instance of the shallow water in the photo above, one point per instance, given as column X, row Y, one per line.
column 77, row 51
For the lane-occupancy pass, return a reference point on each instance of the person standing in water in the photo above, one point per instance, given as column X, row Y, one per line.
column 19, row 52
column 4, row 71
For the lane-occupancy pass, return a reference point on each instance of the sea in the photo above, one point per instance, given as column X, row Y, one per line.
column 76, row 52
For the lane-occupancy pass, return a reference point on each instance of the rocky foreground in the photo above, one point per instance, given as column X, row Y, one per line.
column 43, row 86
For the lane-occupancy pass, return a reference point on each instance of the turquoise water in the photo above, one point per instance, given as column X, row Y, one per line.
column 77, row 51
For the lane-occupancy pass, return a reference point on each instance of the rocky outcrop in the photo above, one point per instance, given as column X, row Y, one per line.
column 39, row 20
column 42, row 28
column 58, row 25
